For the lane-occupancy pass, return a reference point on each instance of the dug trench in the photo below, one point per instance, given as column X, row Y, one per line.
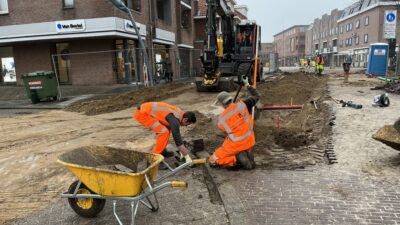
column 298, row 140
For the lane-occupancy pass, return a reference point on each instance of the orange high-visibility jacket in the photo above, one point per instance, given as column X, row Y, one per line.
column 238, row 124
column 160, row 110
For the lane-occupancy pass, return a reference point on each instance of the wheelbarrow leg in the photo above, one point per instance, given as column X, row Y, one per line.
column 115, row 212
column 134, row 207
column 150, row 205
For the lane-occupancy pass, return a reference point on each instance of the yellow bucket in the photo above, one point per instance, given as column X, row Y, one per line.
column 87, row 164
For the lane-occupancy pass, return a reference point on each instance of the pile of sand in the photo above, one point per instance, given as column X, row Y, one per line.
column 112, row 103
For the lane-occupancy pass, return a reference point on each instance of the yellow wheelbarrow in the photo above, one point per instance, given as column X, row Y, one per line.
column 116, row 174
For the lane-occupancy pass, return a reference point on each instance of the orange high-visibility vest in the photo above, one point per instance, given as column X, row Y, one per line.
column 320, row 60
column 238, row 124
column 160, row 110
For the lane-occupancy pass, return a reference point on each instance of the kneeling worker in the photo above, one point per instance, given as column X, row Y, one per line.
column 237, row 123
column 161, row 119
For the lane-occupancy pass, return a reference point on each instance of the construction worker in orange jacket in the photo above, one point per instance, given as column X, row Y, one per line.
column 162, row 118
column 320, row 64
column 237, row 123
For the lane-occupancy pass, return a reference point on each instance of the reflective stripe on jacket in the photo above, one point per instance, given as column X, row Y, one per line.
column 238, row 124
column 160, row 111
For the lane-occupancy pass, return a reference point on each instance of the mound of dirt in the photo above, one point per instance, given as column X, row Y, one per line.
column 113, row 103
column 295, row 88
column 397, row 125
column 389, row 136
column 393, row 88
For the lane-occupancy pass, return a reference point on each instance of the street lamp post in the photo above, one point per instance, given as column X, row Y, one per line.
column 121, row 6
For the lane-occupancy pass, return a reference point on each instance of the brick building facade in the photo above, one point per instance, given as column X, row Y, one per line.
column 349, row 32
column 290, row 45
column 322, row 37
column 32, row 33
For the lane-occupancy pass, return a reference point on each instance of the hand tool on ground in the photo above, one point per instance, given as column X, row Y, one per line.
column 314, row 103
column 351, row 104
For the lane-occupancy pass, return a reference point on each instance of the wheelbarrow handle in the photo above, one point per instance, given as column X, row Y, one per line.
column 179, row 184
column 199, row 162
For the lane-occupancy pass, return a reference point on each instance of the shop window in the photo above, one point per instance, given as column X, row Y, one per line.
column 135, row 5
column 125, row 55
column 3, row 7
column 164, row 10
column 7, row 65
column 63, row 63
column 68, row 4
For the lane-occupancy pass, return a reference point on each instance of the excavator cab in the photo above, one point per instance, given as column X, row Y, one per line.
column 246, row 36
column 231, row 54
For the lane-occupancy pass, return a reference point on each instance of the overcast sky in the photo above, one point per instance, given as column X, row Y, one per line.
column 275, row 15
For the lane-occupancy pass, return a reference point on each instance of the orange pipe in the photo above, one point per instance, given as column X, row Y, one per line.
column 255, row 72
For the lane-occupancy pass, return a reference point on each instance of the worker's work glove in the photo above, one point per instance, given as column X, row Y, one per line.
column 187, row 158
column 245, row 81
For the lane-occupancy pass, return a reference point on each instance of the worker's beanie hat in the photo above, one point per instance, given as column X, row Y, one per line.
column 223, row 97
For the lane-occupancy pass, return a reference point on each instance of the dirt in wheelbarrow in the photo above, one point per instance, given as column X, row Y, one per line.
column 116, row 102
column 299, row 139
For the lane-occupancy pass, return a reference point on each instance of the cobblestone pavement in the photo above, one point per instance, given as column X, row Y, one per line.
column 177, row 206
column 321, row 196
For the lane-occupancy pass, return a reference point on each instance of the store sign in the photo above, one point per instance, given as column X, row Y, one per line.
column 389, row 28
column 129, row 26
column 70, row 26
column 33, row 85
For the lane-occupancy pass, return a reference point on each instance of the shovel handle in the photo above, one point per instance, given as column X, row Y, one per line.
column 199, row 161
column 179, row 184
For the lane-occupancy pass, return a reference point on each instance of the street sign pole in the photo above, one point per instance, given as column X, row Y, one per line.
column 389, row 33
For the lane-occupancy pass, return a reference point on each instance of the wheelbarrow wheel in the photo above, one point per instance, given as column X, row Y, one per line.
column 85, row 207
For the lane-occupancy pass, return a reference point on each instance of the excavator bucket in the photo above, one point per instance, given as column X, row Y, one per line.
column 220, row 84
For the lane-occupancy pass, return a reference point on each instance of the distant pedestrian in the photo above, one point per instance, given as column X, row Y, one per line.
column 346, row 67
column 168, row 69
column 320, row 64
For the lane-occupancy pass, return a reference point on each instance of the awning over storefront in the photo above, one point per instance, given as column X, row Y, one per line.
column 185, row 46
column 70, row 29
column 163, row 42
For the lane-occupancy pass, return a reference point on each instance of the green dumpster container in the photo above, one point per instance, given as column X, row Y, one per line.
column 40, row 85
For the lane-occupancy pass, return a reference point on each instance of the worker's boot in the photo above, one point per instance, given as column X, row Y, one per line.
column 243, row 160
column 250, row 155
